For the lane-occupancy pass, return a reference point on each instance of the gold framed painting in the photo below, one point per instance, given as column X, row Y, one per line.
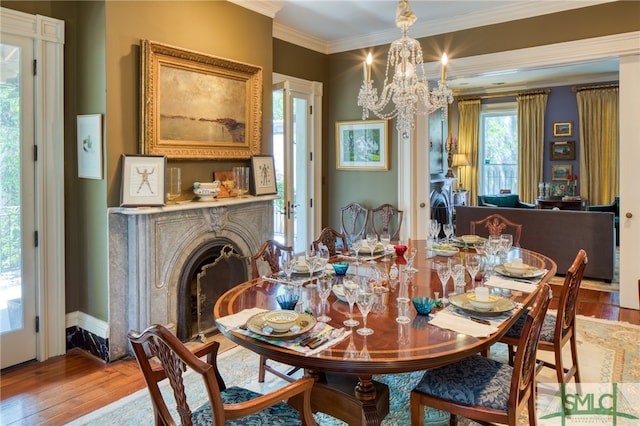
column 198, row 106
column 563, row 129
column 362, row 145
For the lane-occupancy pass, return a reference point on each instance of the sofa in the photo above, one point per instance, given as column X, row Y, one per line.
column 558, row 234
column 611, row 208
column 503, row 200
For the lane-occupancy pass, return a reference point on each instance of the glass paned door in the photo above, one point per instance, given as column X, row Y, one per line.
column 291, row 134
column 17, row 206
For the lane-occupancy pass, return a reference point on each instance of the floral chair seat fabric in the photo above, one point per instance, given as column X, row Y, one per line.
column 475, row 380
column 279, row 414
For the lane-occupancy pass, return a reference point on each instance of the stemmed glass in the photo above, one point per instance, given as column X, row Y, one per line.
column 444, row 273
column 287, row 263
column 492, row 246
column 385, row 239
column 434, row 229
column 372, row 242
column 410, row 260
column 457, row 274
column 350, row 293
column 324, row 289
column 323, row 257
column 447, row 228
column 365, row 299
column 506, row 242
column 356, row 245
column 473, row 266
column 311, row 259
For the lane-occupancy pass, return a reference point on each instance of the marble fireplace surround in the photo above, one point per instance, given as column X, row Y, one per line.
column 148, row 248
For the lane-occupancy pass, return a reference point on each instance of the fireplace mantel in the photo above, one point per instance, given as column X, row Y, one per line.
column 148, row 247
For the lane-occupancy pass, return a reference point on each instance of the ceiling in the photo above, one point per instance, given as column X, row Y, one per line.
column 336, row 26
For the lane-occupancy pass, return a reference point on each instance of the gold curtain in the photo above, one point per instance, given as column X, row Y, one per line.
column 531, row 109
column 468, row 143
column 599, row 152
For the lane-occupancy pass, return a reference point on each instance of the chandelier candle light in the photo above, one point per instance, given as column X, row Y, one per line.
column 409, row 85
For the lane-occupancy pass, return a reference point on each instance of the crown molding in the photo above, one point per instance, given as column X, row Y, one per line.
column 299, row 38
column 267, row 8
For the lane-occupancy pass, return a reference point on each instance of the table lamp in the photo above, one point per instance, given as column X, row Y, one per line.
column 460, row 160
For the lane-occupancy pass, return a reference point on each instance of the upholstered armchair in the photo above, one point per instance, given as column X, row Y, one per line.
column 503, row 200
column 614, row 208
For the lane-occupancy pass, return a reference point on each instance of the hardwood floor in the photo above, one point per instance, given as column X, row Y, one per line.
column 64, row 388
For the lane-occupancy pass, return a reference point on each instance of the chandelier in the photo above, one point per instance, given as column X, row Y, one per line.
column 409, row 87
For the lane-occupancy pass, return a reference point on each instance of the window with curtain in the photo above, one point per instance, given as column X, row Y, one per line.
column 498, row 154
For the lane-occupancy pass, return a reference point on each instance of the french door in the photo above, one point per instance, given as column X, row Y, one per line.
column 296, row 161
column 17, row 202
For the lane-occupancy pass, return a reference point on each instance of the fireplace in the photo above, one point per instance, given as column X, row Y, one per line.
column 153, row 252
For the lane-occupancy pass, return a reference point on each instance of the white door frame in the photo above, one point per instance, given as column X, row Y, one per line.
column 627, row 48
column 48, row 36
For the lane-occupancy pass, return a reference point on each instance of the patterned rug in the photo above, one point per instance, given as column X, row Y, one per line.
column 608, row 353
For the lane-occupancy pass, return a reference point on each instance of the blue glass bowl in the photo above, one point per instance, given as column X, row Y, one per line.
column 340, row 267
column 423, row 304
column 287, row 301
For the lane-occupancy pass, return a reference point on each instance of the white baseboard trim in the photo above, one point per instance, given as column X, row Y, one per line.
column 88, row 323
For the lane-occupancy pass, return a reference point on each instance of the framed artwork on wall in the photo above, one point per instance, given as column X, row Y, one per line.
column 198, row 106
column 563, row 129
column 263, row 175
column 563, row 150
column 143, row 180
column 560, row 171
column 89, row 141
column 362, row 145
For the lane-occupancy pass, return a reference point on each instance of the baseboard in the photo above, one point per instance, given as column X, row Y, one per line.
column 87, row 333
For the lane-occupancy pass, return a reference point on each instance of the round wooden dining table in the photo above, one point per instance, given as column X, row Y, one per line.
column 344, row 372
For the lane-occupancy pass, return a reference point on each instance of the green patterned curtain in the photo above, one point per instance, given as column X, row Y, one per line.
column 531, row 110
column 468, row 144
column 599, row 139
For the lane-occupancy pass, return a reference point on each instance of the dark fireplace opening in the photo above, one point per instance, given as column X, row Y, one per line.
column 201, row 285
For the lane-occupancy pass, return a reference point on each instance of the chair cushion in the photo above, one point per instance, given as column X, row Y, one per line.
column 548, row 327
column 502, row 200
column 278, row 414
column 476, row 380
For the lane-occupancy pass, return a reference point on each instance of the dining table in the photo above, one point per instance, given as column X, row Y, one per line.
column 344, row 370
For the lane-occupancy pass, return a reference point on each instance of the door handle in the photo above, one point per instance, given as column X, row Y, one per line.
column 422, row 205
column 629, row 215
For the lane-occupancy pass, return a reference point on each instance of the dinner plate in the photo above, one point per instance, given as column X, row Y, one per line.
column 448, row 253
column 462, row 302
column 459, row 240
column 529, row 273
column 304, row 270
column 304, row 323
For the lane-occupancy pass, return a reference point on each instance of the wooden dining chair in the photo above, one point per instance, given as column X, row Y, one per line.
column 353, row 219
column 558, row 329
column 161, row 355
column 387, row 219
column 269, row 253
column 483, row 389
column 497, row 224
column 332, row 239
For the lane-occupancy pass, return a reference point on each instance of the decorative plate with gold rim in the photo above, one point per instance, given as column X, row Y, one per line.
column 501, row 306
column 530, row 272
column 257, row 324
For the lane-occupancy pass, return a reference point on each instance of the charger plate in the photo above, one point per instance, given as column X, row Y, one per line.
column 531, row 272
column 462, row 302
column 257, row 323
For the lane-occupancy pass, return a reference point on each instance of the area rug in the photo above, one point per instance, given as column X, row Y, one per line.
column 608, row 353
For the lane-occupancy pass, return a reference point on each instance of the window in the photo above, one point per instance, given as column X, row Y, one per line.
column 498, row 148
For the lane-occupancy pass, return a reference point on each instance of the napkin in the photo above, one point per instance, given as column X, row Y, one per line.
column 239, row 319
column 519, row 285
column 444, row 319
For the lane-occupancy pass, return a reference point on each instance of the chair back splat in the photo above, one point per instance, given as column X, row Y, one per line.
column 161, row 355
column 269, row 253
column 387, row 219
column 353, row 219
column 334, row 240
column 497, row 224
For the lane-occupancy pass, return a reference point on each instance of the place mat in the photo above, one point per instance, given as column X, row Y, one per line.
column 320, row 330
column 239, row 319
column 512, row 284
column 458, row 323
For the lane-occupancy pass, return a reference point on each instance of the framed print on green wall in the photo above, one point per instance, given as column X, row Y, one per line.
column 362, row 145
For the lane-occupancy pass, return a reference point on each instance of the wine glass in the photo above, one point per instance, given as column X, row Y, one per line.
column 323, row 257
column 350, row 293
column 410, row 260
column 492, row 246
column 434, row 230
column 506, row 242
column 457, row 274
column 287, row 263
column 385, row 239
column 447, row 228
column 311, row 259
column 324, row 289
column 473, row 266
column 356, row 246
column 365, row 300
column 444, row 273
column 372, row 242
